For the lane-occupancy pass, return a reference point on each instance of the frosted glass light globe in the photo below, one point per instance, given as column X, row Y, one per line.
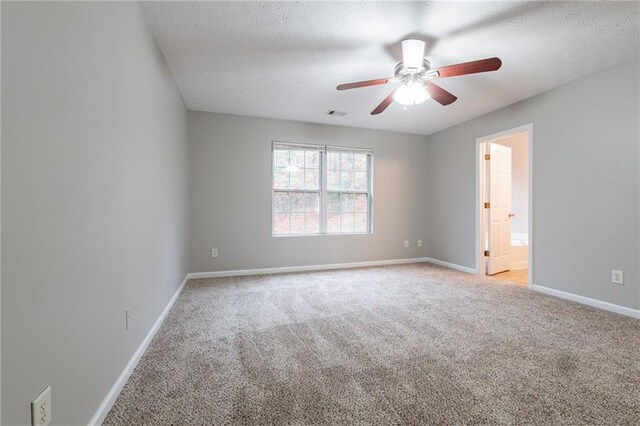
column 411, row 94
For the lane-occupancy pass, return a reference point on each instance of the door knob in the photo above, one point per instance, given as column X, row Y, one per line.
column 512, row 214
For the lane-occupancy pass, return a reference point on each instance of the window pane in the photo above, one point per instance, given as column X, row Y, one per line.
column 360, row 183
column 280, row 202
column 281, row 223
column 346, row 162
column 347, row 202
column 297, row 201
column 281, row 179
column 312, row 223
column 333, row 222
column 312, row 203
column 333, row 161
column 282, row 158
column 361, row 220
column 297, row 223
column 333, row 202
column 361, row 201
column 296, row 213
column 311, row 179
column 360, row 162
column 296, row 179
column 333, row 180
column 347, row 222
column 346, row 180
column 297, row 159
column 312, row 159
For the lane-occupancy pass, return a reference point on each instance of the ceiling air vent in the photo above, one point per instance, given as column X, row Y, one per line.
column 336, row 113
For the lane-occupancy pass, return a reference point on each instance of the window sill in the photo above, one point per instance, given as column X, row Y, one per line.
column 321, row 235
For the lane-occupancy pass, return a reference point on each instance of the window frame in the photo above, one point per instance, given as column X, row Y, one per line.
column 324, row 192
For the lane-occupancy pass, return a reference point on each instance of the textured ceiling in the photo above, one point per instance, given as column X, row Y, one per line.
column 284, row 59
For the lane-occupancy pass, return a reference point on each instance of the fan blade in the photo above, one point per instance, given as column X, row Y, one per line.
column 438, row 94
column 384, row 104
column 366, row 83
column 483, row 65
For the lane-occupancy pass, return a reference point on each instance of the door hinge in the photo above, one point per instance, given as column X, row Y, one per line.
column 486, row 253
column 487, row 156
column 487, row 205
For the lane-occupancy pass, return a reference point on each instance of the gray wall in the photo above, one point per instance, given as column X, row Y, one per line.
column 230, row 194
column 94, row 199
column 585, row 178
column 0, row 241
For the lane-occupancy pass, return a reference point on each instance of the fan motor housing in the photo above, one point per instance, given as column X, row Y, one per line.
column 403, row 73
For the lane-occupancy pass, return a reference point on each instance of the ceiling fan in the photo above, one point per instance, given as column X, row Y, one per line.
column 416, row 75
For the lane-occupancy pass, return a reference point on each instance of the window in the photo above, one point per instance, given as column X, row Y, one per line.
column 321, row 189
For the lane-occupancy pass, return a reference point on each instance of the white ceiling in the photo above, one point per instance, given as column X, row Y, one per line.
column 284, row 59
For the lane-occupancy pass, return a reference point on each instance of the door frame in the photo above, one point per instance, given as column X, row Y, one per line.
column 480, row 182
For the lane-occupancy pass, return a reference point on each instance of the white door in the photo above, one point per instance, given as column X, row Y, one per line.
column 499, row 174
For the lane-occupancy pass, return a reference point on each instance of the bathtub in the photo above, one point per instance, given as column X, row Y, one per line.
column 519, row 250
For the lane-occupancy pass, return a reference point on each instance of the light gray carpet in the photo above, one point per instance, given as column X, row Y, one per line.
column 409, row 344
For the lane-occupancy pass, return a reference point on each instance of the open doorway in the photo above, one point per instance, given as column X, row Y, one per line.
column 504, row 205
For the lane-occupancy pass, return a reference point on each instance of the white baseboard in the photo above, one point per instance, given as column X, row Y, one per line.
column 451, row 265
column 280, row 270
column 633, row 313
column 110, row 399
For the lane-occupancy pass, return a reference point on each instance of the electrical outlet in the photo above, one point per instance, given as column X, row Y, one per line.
column 214, row 253
column 617, row 277
column 127, row 318
column 41, row 408
column 406, row 243
column 419, row 243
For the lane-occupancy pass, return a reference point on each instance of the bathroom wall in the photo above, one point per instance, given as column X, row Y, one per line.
column 519, row 180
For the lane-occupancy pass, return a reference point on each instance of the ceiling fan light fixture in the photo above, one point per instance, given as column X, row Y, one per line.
column 415, row 75
column 411, row 94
